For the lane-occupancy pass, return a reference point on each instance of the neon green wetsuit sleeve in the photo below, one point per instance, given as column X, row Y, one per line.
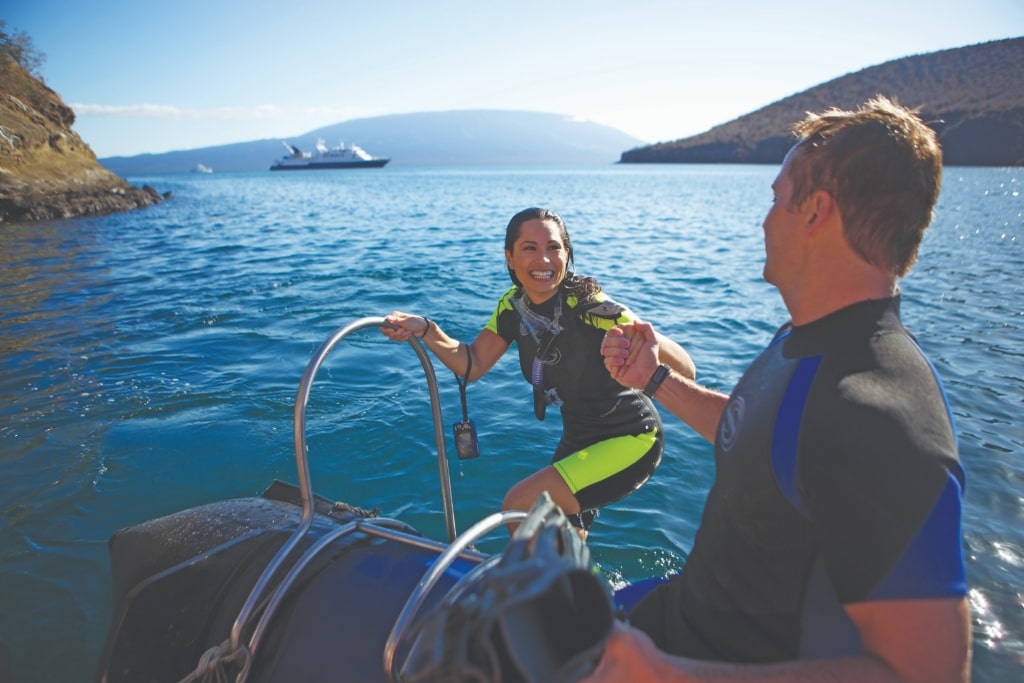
column 603, row 313
column 504, row 304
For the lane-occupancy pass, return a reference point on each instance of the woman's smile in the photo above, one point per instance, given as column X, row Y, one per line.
column 539, row 259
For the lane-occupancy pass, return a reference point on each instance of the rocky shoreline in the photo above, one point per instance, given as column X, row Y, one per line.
column 32, row 205
column 46, row 171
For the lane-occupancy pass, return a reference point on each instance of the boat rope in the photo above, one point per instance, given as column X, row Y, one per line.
column 213, row 665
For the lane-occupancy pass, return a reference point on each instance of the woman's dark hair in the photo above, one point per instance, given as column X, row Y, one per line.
column 583, row 288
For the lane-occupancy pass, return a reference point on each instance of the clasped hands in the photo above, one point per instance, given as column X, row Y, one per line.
column 630, row 353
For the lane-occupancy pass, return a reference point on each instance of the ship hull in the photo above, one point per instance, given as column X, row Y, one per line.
column 329, row 165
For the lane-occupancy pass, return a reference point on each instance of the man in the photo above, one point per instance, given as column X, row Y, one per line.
column 830, row 543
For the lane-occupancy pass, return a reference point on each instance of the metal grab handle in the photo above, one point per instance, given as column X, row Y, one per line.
column 422, row 590
column 302, row 464
column 305, row 386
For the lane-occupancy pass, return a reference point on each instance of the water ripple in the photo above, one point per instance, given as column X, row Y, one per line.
column 151, row 362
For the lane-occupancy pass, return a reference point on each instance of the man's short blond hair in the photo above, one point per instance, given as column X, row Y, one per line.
column 883, row 167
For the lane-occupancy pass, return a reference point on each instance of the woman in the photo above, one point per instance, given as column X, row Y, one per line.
column 612, row 437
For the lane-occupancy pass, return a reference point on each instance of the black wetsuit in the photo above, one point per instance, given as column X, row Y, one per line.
column 837, row 481
column 612, row 437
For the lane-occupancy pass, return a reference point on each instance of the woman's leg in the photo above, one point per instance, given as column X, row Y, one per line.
column 524, row 494
column 594, row 476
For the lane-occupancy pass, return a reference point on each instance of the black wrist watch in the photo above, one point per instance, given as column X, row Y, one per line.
column 660, row 373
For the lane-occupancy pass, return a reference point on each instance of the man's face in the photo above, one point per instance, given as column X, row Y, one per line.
column 782, row 228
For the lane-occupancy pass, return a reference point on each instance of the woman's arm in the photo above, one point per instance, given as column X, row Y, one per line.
column 675, row 356
column 487, row 348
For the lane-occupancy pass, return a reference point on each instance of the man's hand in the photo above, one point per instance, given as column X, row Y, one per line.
column 630, row 353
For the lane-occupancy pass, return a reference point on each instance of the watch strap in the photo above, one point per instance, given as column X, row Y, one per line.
column 660, row 373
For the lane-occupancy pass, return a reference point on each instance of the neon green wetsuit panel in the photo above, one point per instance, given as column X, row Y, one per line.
column 604, row 459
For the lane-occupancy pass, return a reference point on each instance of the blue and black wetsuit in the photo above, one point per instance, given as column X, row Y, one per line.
column 612, row 437
column 837, row 481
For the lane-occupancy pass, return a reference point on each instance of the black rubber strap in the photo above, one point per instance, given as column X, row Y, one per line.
column 462, row 382
column 660, row 373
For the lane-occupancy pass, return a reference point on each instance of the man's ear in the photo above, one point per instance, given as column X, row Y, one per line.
column 818, row 208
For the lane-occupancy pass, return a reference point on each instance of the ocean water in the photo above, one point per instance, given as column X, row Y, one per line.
column 151, row 360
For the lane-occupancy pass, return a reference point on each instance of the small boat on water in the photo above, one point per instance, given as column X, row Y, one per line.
column 342, row 156
column 200, row 168
column 290, row 586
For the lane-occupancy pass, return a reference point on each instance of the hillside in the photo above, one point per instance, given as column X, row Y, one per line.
column 973, row 97
column 46, row 170
column 448, row 137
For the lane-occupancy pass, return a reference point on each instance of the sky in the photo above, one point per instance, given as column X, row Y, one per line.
column 154, row 77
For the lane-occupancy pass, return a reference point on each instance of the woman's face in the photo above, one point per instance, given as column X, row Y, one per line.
column 538, row 258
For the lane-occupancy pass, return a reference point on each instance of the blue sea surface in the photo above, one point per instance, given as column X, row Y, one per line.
column 151, row 361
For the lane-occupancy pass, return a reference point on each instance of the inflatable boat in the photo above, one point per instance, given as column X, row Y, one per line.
column 291, row 586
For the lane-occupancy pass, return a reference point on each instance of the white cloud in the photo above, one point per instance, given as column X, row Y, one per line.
column 163, row 111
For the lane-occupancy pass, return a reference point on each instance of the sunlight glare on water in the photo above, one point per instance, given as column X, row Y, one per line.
column 151, row 361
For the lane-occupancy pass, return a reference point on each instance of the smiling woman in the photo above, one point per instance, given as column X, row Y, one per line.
column 612, row 438
column 537, row 256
